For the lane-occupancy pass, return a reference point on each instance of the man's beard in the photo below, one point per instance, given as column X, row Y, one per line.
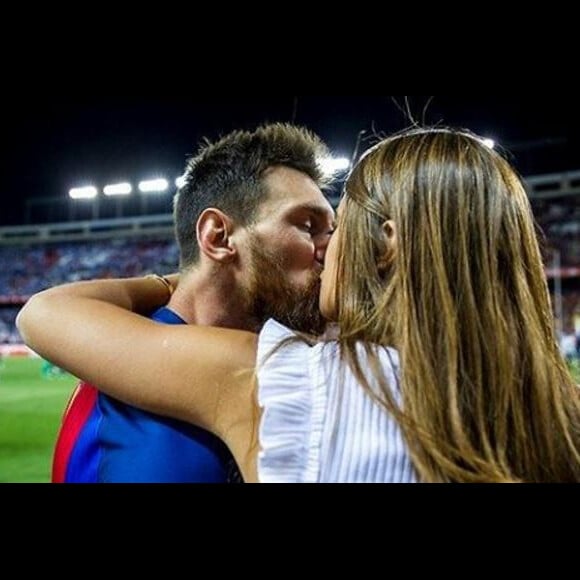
column 271, row 295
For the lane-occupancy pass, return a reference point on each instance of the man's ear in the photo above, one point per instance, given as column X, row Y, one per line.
column 214, row 229
column 390, row 246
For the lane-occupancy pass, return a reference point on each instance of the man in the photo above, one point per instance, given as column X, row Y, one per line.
column 252, row 226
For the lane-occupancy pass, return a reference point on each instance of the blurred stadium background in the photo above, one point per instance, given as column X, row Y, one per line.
column 126, row 229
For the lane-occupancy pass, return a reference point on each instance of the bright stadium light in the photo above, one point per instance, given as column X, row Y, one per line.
column 180, row 181
column 88, row 192
column 153, row 186
column 333, row 165
column 489, row 143
column 118, row 189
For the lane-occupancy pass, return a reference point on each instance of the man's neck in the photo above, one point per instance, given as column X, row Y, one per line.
column 206, row 299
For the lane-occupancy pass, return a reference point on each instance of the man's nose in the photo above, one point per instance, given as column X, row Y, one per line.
column 321, row 248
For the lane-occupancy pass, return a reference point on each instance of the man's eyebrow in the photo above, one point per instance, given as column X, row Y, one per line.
column 315, row 209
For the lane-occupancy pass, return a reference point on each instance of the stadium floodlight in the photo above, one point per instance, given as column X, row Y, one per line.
column 489, row 143
column 333, row 165
column 180, row 181
column 153, row 186
column 88, row 192
column 118, row 189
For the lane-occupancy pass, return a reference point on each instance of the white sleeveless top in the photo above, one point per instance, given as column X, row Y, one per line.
column 318, row 424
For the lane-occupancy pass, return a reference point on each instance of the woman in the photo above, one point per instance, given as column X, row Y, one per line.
column 446, row 367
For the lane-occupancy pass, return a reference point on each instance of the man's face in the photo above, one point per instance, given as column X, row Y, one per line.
column 287, row 245
column 329, row 278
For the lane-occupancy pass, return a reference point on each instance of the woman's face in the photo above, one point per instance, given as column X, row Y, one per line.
column 329, row 282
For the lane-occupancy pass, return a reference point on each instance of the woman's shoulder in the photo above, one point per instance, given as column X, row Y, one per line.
column 282, row 344
column 300, row 386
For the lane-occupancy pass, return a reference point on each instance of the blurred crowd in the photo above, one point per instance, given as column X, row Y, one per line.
column 25, row 271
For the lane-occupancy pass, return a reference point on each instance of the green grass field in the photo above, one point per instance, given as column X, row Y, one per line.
column 31, row 408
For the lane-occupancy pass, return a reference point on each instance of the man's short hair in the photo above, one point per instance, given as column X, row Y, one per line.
column 228, row 175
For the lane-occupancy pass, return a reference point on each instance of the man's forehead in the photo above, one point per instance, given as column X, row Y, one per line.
column 291, row 190
column 280, row 178
column 319, row 208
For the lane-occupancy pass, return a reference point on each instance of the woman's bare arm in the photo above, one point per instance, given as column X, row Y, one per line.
column 202, row 375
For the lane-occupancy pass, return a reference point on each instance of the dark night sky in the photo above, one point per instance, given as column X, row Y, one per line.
column 52, row 144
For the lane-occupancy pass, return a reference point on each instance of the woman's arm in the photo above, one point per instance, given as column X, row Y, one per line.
column 141, row 295
column 202, row 375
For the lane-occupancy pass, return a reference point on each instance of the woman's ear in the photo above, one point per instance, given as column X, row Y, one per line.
column 389, row 231
column 214, row 229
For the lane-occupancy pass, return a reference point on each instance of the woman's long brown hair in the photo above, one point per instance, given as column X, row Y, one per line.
column 462, row 295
